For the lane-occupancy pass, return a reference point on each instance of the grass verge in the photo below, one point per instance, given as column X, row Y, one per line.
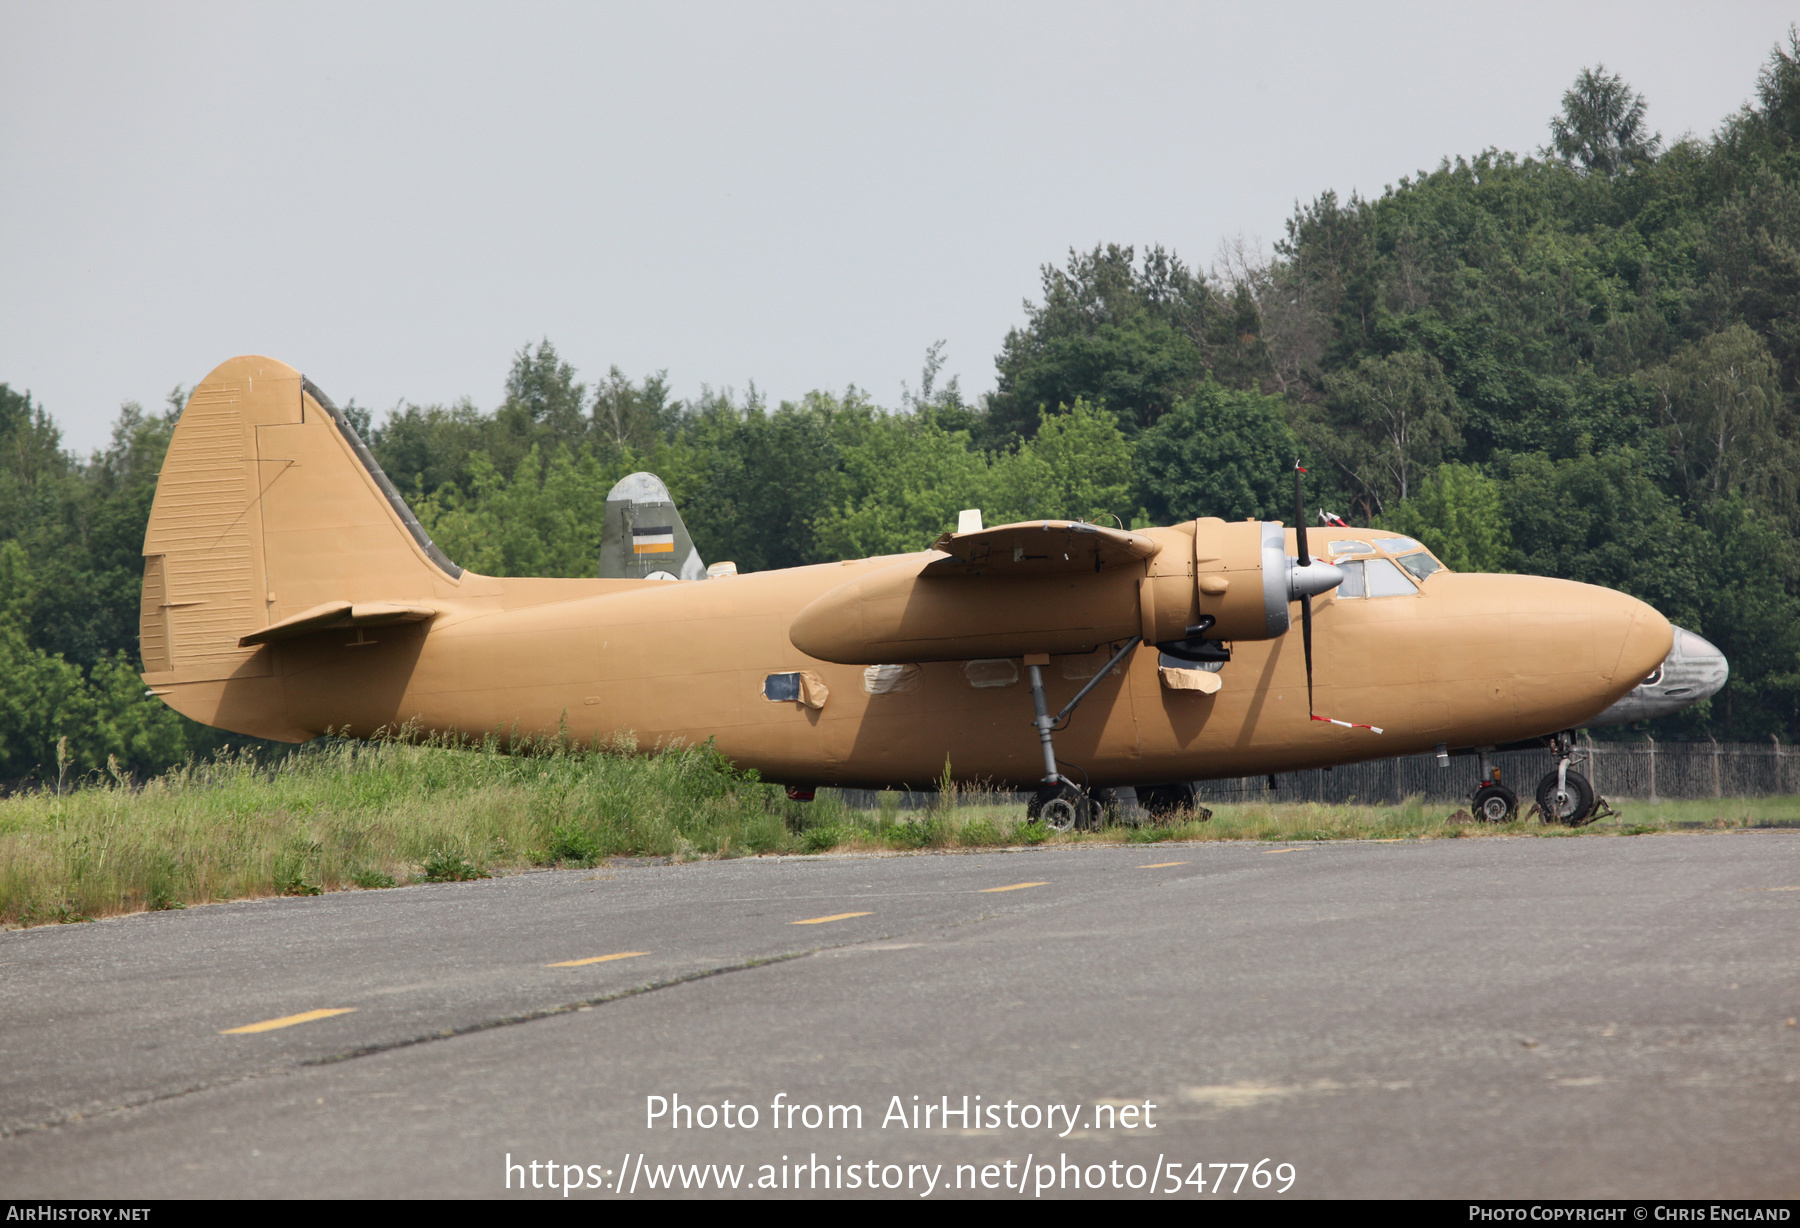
column 340, row 815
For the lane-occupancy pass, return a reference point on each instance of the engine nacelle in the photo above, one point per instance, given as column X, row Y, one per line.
column 1243, row 580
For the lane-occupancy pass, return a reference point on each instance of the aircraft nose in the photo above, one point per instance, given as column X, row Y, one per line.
column 1702, row 667
column 1644, row 638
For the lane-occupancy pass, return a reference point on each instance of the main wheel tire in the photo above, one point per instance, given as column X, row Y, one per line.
column 1575, row 808
column 1105, row 807
column 1061, row 808
column 1164, row 802
column 1495, row 804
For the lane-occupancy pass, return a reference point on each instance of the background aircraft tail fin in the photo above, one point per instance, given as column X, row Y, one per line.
column 268, row 505
column 643, row 536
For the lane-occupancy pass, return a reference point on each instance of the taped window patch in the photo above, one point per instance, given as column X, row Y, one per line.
column 1203, row 681
column 1000, row 671
column 886, row 679
column 804, row 687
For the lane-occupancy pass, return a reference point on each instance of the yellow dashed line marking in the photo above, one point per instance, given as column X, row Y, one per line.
column 288, row 1021
column 596, row 959
column 836, row 916
column 1266, row 852
column 1013, row 887
column 1162, row 865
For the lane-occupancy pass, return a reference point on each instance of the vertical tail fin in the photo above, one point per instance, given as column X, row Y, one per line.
column 268, row 504
column 643, row 537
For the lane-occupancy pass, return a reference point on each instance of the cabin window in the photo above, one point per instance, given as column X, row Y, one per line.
column 1349, row 547
column 1420, row 564
column 1383, row 579
column 780, row 688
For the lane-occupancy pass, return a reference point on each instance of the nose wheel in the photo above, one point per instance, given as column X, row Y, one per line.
column 1565, row 796
column 1570, row 803
column 1495, row 803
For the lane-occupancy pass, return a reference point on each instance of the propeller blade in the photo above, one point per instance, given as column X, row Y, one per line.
column 1300, row 516
column 1306, row 638
column 1305, row 598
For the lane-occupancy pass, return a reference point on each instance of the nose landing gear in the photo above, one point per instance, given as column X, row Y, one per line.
column 1493, row 802
column 1566, row 796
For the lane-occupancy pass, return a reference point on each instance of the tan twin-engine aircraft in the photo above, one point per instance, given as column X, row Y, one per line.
column 289, row 590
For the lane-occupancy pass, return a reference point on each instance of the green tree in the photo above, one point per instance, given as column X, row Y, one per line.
column 1749, row 609
column 424, row 448
column 1387, row 421
column 906, row 481
column 1219, row 453
column 764, row 481
column 1077, row 467
column 1112, row 331
column 1603, row 519
column 1602, row 124
column 1728, row 427
column 1458, row 512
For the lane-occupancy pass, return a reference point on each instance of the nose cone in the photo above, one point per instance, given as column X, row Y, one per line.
column 1692, row 671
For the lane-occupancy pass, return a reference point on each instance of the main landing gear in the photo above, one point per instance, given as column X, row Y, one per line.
column 1164, row 803
column 1065, row 807
column 1061, row 804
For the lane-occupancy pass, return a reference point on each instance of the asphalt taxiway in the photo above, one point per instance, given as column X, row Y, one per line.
column 1453, row 1018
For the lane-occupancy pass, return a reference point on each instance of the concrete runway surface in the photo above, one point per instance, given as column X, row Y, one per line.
column 1455, row 1018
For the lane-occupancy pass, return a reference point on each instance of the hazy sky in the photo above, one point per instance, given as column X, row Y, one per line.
column 394, row 198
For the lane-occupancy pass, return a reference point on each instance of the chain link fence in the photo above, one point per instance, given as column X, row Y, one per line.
column 1639, row 770
column 1647, row 769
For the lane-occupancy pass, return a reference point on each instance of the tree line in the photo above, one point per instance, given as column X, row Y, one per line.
column 1581, row 362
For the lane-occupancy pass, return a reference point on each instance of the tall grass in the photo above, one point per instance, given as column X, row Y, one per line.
column 367, row 814
column 341, row 814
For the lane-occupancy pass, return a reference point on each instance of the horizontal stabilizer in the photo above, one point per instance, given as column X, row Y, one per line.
column 333, row 615
column 1038, row 548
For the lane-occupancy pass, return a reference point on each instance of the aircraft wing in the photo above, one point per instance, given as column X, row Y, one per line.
column 1039, row 548
column 335, row 615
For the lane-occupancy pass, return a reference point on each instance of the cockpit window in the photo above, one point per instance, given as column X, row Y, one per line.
column 1374, row 578
column 1386, row 580
column 1399, row 545
column 1342, row 548
column 1420, row 564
